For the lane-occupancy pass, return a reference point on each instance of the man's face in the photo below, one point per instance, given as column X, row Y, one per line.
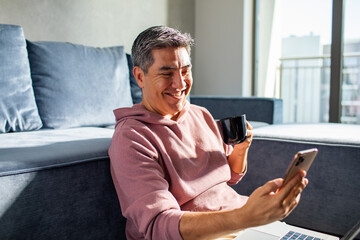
column 167, row 83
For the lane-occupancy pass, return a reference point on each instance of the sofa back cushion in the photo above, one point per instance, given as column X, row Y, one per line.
column 136, row 92
column 77, row 85
column 18, row 110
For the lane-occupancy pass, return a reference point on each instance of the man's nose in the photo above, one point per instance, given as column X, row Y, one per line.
column 179, row 81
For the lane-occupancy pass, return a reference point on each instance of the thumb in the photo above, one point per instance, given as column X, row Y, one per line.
column 272, row 186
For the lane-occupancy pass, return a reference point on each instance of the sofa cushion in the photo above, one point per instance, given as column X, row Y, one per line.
column 136, row 92
column 267, row 110
column 47, row 148
column 18, row 110
column 77, row 85
column 330, row 133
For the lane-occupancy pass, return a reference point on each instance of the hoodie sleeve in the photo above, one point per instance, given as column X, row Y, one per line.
column 141, row 186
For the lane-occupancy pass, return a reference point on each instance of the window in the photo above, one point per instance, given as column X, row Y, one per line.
column 293, row 56
column 351, row 64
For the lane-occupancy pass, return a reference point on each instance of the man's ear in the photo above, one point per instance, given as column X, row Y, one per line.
column 139, row 76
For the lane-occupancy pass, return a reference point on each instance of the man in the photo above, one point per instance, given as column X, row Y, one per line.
column 169, row 165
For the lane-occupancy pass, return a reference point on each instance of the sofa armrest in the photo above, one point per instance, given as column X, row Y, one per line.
column 258, row 109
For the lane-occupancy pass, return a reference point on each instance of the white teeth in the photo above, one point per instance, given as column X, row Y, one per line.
column 176, row 94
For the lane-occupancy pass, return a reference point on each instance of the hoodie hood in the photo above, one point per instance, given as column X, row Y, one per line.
column 140, row 113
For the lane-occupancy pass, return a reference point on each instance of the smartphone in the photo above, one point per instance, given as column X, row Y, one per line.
column 301, row 161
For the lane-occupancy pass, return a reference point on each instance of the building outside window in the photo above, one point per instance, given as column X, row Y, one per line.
column 293, row 58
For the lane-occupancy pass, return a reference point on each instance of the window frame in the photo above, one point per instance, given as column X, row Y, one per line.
column 335, row 108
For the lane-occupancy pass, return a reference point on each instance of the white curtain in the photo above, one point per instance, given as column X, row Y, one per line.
column 269, row 48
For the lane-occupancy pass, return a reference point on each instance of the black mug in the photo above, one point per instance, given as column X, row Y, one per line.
column 233, row 129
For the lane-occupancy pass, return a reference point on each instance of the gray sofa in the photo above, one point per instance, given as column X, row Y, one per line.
column 331, row 201
column 56, row 125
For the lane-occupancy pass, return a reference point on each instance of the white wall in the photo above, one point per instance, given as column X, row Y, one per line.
column 90, row 22
column 181, row 15
column 223, row 51
column 222, row 32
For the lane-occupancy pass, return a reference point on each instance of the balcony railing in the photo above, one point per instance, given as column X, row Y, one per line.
column 304, row 84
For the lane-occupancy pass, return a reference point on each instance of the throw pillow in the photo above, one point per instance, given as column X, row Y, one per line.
column 18, row 110
column 78, row 85
column 136, row 92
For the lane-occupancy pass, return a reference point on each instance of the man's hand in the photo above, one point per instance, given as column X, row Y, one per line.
column 238, row 157
column 266, row 204
column 249, row 137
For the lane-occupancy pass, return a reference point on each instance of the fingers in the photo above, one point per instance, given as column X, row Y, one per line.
column 249, row 137
column 291, row 189
column 249, row 134
column 272, row 186
column 286, row 189
column 266, row 204
column 292, row 199
column 248, row 126
column 295, row 193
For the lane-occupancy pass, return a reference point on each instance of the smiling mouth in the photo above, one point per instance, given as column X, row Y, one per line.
column 177, row 94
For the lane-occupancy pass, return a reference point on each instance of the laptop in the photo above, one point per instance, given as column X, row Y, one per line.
column 283, row 231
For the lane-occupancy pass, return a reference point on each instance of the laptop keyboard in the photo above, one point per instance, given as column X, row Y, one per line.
column 291, row 235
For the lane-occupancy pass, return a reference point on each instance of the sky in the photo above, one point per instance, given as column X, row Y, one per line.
column 318, row 18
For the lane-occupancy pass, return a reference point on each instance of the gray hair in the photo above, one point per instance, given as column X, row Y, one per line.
column 155, row 38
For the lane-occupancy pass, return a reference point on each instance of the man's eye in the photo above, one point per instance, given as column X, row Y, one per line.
column 184, row 73
column 166, row 74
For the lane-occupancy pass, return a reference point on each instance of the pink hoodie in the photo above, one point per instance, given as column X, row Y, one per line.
column 162, row 168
